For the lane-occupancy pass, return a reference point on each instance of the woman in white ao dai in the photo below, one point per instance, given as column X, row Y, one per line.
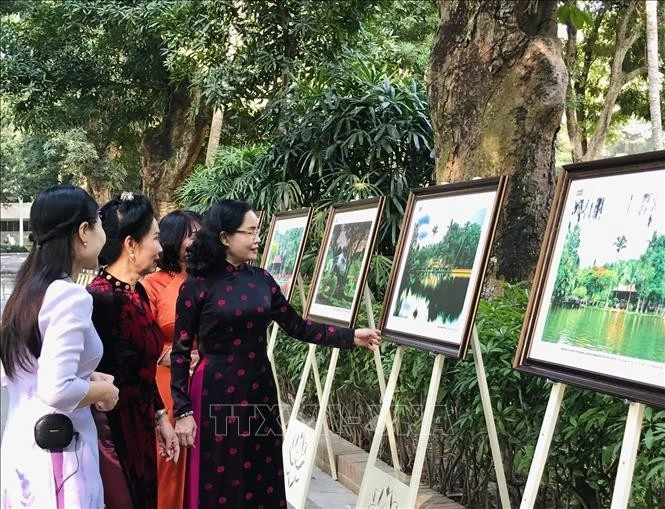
column 52, row 370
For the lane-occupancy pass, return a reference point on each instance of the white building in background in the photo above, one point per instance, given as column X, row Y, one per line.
column 14, row 223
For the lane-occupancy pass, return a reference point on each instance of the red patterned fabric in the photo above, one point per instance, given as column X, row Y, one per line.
column 132, row 344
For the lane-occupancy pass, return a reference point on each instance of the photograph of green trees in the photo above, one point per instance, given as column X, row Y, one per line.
column 343, row 260
column 342, row 264
column 603, row 304
column 284, row 247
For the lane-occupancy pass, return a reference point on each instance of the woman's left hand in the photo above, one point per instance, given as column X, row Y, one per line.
column 169, row 447
column 369, row 338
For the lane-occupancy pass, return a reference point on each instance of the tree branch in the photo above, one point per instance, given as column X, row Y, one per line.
column 572, row 98
column 630, row 76
column 617, row 80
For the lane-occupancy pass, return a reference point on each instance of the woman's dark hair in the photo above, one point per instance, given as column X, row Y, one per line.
column 126, row 215
column 56, row 215
column 207, row 252
column 174, row 227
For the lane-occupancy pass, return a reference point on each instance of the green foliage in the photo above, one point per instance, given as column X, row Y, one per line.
column 570, row 262
column 399, row 36
column 455, row 250
column 651, row 271
column 6, row 248
column 351, row 133
column 595, row 26
column 583, row 458
column 118, row 70
column 30, row 163
column 232, row 175
column 571, row 13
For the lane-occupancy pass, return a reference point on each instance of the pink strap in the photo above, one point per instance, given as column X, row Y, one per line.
column 57, row 459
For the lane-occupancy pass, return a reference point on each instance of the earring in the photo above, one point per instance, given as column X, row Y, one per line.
column 85, row 244
column 132, row 257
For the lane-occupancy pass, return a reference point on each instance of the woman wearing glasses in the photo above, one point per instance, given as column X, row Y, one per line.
column 228, row 412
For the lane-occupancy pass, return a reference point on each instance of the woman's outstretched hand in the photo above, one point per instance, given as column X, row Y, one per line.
column 369, row 338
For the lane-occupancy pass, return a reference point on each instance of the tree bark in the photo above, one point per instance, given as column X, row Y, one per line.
column 575, row 134
column 215, row 132
column 99, row 189
column 654, row 75
column 169, row 151
column 497, row 85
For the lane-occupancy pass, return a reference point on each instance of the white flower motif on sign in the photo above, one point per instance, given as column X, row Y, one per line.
column 384, row 499
column 296, row 459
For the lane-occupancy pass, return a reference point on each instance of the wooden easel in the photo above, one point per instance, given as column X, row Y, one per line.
column 317, row 380
column 299, row 435
column 631, row 441
column 378, row 485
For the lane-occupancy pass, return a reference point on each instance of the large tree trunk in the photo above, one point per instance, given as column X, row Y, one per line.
column 496, row 95
column 169, row 151
column 99, row 189
column 654, row 75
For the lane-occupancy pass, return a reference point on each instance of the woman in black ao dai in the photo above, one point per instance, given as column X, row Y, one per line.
column 227, row 412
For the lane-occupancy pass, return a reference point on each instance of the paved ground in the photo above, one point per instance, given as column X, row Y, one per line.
column 326, row 493
column 10, row 262
column 9, row 265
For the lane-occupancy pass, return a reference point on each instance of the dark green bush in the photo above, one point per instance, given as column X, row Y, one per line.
column 6, row 248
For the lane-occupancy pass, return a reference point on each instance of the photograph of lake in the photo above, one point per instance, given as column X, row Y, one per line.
column 442, row 247
column 604, row 302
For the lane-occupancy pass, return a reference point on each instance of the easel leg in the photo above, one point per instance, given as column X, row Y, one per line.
column 425, row 429
column 543, row 446
column 311, row 358
column 326, row 431
column 489, row 420
column 631, row 442
column 271, row 358
column 392, row 441
column 381, row 422
column 317, row 380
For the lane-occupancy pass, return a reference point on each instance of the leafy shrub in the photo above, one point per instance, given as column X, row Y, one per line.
column 231, row 176
column 583, row 458
column 6, row 248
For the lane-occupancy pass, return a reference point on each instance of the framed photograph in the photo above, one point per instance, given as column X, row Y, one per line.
column 285, row 245
column 259, row 214
column 343, row 261
column 439, row 264
column 596, row 316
